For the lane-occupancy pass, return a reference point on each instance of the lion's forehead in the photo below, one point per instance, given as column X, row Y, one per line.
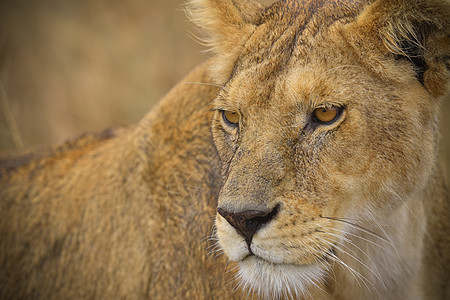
column 288, row 30
column 286, row 56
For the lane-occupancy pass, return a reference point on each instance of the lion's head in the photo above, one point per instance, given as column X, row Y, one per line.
column 325, row 125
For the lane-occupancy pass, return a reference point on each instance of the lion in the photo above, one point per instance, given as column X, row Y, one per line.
column 309, row 141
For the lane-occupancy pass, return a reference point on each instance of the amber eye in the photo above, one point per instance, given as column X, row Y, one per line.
column 231, row 118
column 327, row 114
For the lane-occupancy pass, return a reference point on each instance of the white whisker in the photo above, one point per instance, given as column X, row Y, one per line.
column 424, row 227
column 354, row 256
column 364, row 239
column 357, row 227
column 354, row 273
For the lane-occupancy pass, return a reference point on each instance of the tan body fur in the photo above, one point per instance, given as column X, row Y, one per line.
column 132, row 222
column 358, row 206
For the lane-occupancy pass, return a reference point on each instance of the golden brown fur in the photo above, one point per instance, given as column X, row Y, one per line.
column 122, row 214
column 358, row 206
column 352, row 209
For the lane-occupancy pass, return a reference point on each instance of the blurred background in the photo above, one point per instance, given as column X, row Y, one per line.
column 71, row 66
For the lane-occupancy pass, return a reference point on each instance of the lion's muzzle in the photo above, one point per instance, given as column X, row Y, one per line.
column 248, row 222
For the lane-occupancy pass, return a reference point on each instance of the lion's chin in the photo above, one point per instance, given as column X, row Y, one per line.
column 275, row 281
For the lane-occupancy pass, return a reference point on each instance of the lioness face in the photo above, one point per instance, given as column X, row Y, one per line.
column 313, row 143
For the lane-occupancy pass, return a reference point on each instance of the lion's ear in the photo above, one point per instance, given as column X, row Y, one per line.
column 226, row 24
column 417, row 31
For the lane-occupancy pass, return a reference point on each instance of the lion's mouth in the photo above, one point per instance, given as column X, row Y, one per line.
column 328, row 256
column 261, row 259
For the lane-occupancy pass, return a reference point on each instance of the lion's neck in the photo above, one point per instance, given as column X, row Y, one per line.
column 378, row 263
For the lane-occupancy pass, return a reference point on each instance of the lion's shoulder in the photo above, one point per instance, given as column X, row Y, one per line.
column 33, row 160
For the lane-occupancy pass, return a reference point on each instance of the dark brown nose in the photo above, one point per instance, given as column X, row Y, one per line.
column 247, row 223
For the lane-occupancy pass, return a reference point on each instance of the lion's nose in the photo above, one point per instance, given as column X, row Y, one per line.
column 247, row 223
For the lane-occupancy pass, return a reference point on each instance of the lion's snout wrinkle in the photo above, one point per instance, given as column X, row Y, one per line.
column 251, row 181
column 248, row 222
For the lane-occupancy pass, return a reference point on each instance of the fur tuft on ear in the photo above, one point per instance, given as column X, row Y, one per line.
column 417, row 31
column 226, row 24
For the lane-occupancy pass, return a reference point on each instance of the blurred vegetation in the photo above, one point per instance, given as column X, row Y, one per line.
column 71, row 66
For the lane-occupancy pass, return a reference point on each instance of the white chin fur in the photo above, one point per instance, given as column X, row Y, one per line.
column 277, row 281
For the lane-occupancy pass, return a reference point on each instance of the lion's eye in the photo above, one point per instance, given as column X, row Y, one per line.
column 231, row 118
column 327, row 115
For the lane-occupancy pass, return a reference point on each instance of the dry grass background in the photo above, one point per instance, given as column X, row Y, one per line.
column 71, row 66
